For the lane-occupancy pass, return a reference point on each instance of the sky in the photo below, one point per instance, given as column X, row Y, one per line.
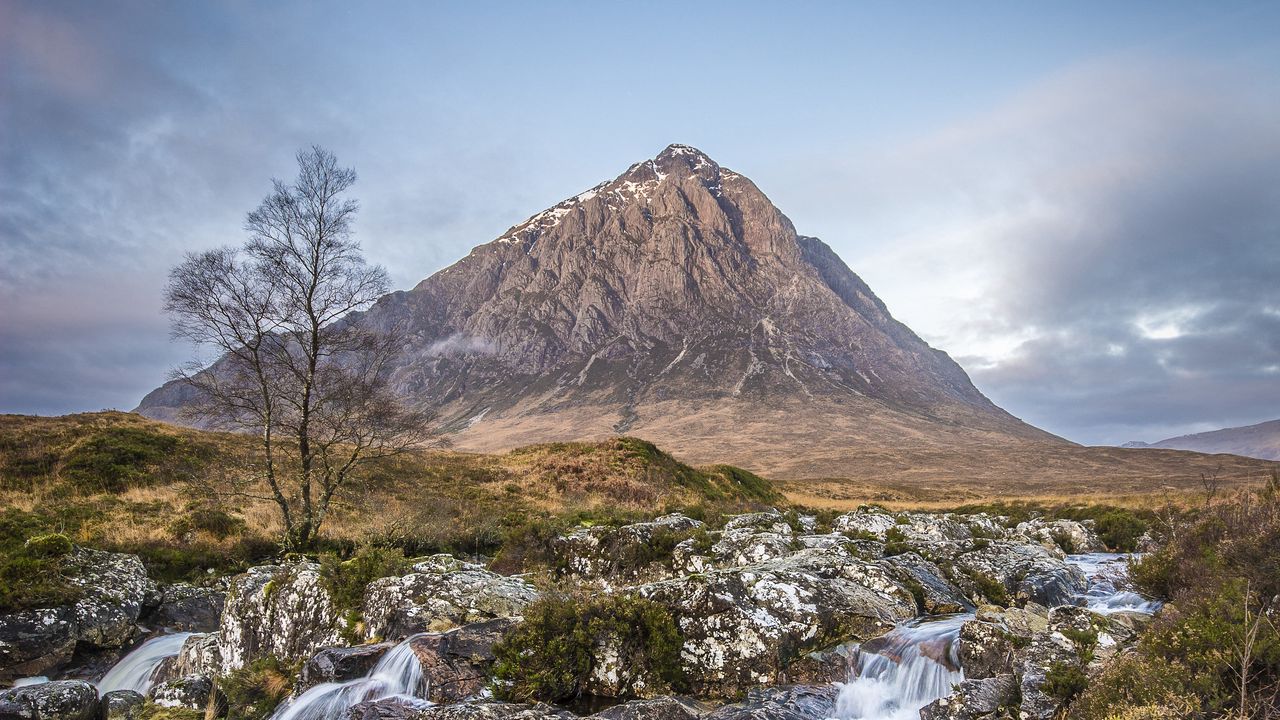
column 1080, row 202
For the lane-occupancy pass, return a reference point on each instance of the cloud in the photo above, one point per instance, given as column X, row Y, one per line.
column 462, row 344
column 1102, row 252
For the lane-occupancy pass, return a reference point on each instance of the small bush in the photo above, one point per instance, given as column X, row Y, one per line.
column 895, row 542
column 346, row 580
column 53, row 545
column 33, row 572
column 115, row 459
column 990, row 588
column 1063, row 540
column 1065, row 681
column 552, row 653
column 1120, row 530
column 254, row 691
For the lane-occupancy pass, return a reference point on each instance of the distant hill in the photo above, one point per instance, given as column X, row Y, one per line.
column 1257, row 441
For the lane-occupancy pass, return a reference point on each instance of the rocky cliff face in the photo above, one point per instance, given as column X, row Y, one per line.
column 674, row 302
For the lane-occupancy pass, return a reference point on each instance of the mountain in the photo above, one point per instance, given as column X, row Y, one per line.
column 677, row 303
column 1256, row 441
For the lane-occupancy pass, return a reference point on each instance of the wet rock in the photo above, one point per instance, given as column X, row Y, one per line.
column 120, row 705
column 793, row 703
column 115, row 592
column 442, row 592
column 34, row 642
column 627, row 553
column 61, row 700
column 186, row 608
column 456, row 664
column 974, row 699
column 834, row 664
column 1068, row 536
column 280, row 610
column 663, row 708
column 194, row 692
column 743, row 626
column 339, row 664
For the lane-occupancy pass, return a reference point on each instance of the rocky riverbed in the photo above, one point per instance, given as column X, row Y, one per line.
column 872, row 615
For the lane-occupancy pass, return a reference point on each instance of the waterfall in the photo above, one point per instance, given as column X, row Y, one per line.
column 134, row 670
column 901, row 672
column 1110, row 589
column 397, row 675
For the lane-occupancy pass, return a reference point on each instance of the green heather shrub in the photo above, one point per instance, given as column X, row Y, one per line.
column 895, row 542
column 1065, row 681
column 115, row 459
column 33, row 571
column 550, row 655
column 53, row 545
column 152, row 711
column 346, row 580
column 991, row 588
column 1120, row 529
column 254, row 691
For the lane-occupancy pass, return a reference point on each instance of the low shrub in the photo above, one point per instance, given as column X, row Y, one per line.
column 116, row 458
column 346, row 580
column 551, row 655
column 254, row 691
column 990, row 588
column 1065, row 681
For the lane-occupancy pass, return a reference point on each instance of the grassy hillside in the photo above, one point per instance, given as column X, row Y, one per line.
column 122, row 482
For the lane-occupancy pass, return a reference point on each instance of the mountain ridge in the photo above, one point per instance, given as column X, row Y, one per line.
column 1260, row 440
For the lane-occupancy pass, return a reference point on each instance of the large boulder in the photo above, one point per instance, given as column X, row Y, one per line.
column 974, row 699
column 934, row 593
column 1067, row 644
column 34, row 642
column 63, row 700
column 456, row 664
column 791, row 703
column 398, row 709
column 440, row 593
column 626, row 554
column 743, row 626
column 339, row 664
column 194, row 692
column 120, row 705
column 662, row 708
column 1068, row 536
column 1029, row 572
column 186, row 608
column 283, row 611
column 115, row 590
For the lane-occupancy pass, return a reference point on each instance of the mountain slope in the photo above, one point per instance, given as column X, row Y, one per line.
column 676, row 303
column 1257, row 441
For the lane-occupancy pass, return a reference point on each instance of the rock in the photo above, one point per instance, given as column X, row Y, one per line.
column 834, row 664
column 936, row 594
column 115, row 590
column 624, row 554
column 986, row 649
column 394, row 709
column 61, row 700
column 1063, row 642
column 933, row 528
column 201, row 654
column 280, row 610
column 339, row 664
column 974, row 699
column 120, row 705
column 662, row 708
column 456, row 664
column 743, row 626
column 441, row 592
column 1031, row 573
column 186, row 608
column 793, row 703
column 772, row 522
column 1068, row 536
column 194, row 692
column 871, row 522
column 34, row 642
column 736, row 548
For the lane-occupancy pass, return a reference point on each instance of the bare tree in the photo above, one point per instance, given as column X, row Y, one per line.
column 294, row 367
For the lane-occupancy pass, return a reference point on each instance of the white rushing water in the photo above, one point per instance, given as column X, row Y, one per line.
column 1110, row 589
column 134, row 670
column 904, row 673
column 397, row 675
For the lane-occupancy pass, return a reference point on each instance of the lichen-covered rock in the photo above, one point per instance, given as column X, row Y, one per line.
column 830, row 665
column 627, row 553
column 34, row 642
column 283, row 611
column 771, row 521
column 974, row 699
column 1068, row 536
column 743, row 626
column 115, row 590
column 662, row 708
column 872, row 522
column 397, row 709
column 985, row 649
column 62, row 700
column 201, row 654
column 792, row 703
column 194, row 692
column 1031, row 573
column 442, row 592
column 736, row 548
column 1072, row 635
column 935, row 594
column 186, row 608
column 338, row 664
column 456, row 664
column 120, row 705
column 928, row 528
